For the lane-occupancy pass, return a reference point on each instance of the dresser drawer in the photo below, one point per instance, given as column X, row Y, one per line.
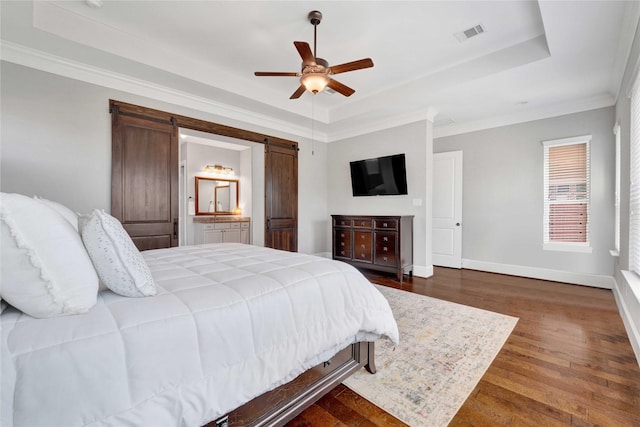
column 385, row 224
column 342, row 222
column 362, row 249
column 362, row 223
column 386, row 248
column 342, row 243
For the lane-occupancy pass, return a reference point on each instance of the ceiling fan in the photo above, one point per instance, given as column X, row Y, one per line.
column 315, row 73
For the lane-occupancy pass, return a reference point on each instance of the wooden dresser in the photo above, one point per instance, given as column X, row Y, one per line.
column 382, row 243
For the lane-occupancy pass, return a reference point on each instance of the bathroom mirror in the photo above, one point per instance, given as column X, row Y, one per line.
column 216, row 196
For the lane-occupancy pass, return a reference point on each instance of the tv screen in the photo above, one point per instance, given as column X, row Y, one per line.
column 383, row 176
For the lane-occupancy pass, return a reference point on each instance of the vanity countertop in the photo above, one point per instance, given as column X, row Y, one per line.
column 220, row 218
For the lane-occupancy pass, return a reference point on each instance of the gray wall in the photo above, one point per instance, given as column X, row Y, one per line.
column 410, row 139
column 503, row 192
column 56, row 143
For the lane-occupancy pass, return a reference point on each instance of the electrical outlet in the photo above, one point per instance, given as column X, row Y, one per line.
column 417, row 202
column 223, row 422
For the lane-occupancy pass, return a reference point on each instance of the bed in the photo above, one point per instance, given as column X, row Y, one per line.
column 232, row 329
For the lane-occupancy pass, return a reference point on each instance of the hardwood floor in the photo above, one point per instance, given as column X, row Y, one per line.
column 568, row 362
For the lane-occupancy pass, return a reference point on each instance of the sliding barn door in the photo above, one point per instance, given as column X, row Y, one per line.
column 144, row 180
column 281, row 196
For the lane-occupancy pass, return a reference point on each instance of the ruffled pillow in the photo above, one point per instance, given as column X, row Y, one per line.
column 66, row 213
column 45, row 269
column 116, row 259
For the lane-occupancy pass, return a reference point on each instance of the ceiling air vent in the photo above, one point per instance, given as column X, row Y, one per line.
column 469, row 32
column 443, row 121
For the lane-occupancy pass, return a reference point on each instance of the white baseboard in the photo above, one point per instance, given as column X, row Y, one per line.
column 627, row 319
column 423, row 271
column 595, row 280
column 418, row 270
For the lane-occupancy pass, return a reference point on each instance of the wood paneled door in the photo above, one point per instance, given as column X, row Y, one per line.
column 281, row 196
column 144, row 181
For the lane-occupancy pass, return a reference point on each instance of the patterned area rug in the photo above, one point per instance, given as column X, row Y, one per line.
column 444, row 350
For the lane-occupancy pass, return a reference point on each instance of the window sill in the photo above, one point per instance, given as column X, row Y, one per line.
column 566, row 247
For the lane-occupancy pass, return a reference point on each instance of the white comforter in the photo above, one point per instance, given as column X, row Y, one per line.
column 229, row 322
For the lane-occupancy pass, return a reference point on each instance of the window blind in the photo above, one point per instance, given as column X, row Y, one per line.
column 634, row 190
column 566, row 186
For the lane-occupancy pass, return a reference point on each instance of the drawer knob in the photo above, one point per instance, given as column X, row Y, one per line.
column 384, row 249
column 341, row 252
column 386, row 239
column 362, row 246
column 362, row 237
column 361, row 255
column 384, row 258
column 384, row 224
column 362, row 223
column 342, row 235
column 341, row 243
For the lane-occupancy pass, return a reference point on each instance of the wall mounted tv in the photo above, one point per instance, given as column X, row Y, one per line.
column 382, row 176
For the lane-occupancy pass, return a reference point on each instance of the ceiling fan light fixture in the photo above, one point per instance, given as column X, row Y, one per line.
column 314, row 82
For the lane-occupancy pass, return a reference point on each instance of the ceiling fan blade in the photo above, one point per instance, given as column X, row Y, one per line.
column 276, row 74
column 305, row 53
column 352, row 66
column 298, row 93
column 339, row 87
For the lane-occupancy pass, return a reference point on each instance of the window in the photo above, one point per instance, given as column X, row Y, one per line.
column 616, row 131
column 634, row 187
column 567, row 194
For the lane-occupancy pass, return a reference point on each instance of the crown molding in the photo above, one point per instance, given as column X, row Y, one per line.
column 33, row 58
column 378, row 125
column 526, row 116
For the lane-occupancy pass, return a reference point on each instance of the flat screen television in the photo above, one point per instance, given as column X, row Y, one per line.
column 382, row 176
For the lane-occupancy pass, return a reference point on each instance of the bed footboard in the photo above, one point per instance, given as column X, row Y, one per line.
column 277, row 407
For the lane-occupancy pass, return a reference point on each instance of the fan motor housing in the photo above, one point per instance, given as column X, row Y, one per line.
column 315, row 17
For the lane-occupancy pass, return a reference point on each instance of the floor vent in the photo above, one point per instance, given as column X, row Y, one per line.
column 470, row 32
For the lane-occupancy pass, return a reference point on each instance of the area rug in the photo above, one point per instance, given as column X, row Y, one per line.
column 445, row 348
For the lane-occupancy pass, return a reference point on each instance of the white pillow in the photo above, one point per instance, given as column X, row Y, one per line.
column 118, row 262
column 67, row 213
column 45, row 269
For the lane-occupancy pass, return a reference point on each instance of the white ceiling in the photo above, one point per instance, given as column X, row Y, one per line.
column 535, row 60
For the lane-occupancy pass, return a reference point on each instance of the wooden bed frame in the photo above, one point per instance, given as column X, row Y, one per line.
column 278, row 406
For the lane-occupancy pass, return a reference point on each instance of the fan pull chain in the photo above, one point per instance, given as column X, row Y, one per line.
column 313, row 141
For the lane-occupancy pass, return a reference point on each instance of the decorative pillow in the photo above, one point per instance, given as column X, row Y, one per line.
column 118, row 262
column 45, row 270
column 67, row 213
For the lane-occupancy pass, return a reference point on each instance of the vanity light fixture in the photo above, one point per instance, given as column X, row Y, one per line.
column 219, row 169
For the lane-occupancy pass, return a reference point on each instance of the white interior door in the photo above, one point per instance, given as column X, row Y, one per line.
column 447, row 209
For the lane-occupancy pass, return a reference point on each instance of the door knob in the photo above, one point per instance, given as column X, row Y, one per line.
column 457, row 224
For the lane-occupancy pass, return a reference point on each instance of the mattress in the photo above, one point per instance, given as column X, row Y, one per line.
column 229, row 322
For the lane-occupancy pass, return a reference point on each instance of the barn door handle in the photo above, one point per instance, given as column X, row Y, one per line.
column 175, row 228
column 268, row 223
